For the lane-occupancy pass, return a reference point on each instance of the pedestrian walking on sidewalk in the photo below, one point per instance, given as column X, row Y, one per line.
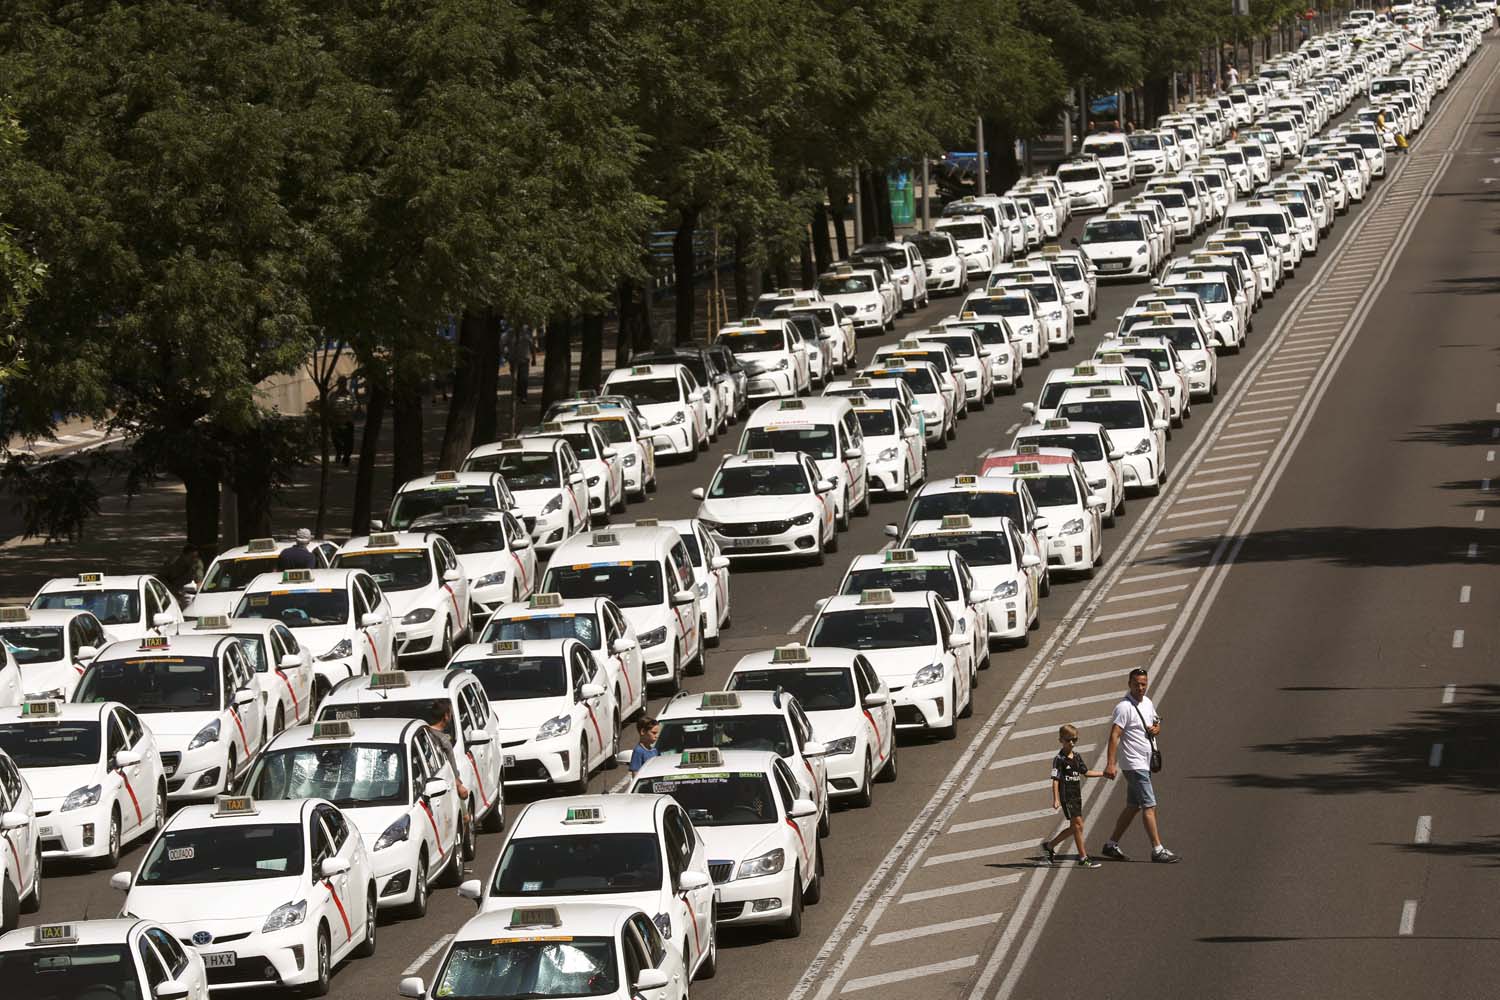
column 1132, row 749
column 520, row 351
column 343, row 422
column 1233, row 75
column 1068, row 772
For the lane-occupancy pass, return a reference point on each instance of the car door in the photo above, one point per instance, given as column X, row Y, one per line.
column 297, row 679
column 854, row 445
column 632, row 665
column 483, row 754
column 816, row 767
column 252, row 713
column 644, row 941
column 23, row 841
column 442, row 811
column 335, row 906
column 881, row 718
column 132, row 809
column 679, row 571
column 148, row 775
column 381, row 636
column 806, row 827
column 583, row 670
column 718, row 576
column 700, row 901
column 524, row 557
column 176, row 962
column 457, row 588
column 165, row 605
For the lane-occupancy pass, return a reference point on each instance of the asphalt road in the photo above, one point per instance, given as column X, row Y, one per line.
column 932, row 890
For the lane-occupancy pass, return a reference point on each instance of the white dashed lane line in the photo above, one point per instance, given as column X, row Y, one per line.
column 1449, row 691
column 1032, row 758
column 1111, row 655
column 903, row 975
column 428, row 955
column 1408, row 918
column 1423, row 834
column 955, row 890
column 797, row 626
column 1458, row 638
column 1463, row 594
column 1473, row 550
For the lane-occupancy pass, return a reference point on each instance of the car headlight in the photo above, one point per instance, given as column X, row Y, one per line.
column 286, row 915
column 780, row 366
column 930, row 674
column 949, row 268
column 1227, row 316
column 1075, row 295
column 840, row 746
column 1142, row 448
column 395, row 833
column 886, row 455
column 768, row 863
column 628, row 461
column 490, row 579
column 710, row 525
column 553, row 506
column 208, row 734
column 1139, row 250
column 1055, row 314
column 558, row 725
column 803, row 518
column 418, row 616
column 82, row 798
column 340, row 650
column 1026, row 329
column 593, row 480
column 1006, row 589
column 1200, row 366
column 1073, row 527
column 870, row 308
column 655, row 637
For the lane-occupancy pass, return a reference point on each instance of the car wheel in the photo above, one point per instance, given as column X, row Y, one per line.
column 580, row 785
column 863, row 508
column 865, row 797
column 1045, row 589
column 161, row 806
column 319, row 987
column 675, row 683
column 889, row 771
column 111, row 856
column 10, row 906
column 468, row 846
column 33, row 900
column 814, row 891
column 950, row 731
column 280, row 719
column 793, row 926
column 833, row 540
column 952, row 434
column 366, row 947
column 841, row 520
column 418, row 905
column 494, row 820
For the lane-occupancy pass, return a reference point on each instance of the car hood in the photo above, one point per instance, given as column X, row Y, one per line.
column 1114, row 248
column 56, row 782
column 477, row 564
column 371, row 821
column 529, row 503
column 519, row 720
column 853, row 298
column 898, row 666
column 741, row 509
column 655, row 413
column 736, row 843
column 39, row 677
column 319, row 639
column 403, row 601
column 220, row 602
column 182, row 907
column 173, row 730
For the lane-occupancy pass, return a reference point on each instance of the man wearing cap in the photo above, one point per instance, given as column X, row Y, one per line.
column 297, row 555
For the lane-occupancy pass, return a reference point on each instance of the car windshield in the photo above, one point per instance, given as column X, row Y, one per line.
column 895, row 258
column 978, row 548
column 967, row 231
column 583, row 445
column 614, row 430
column 633, row 584
column 845, row 284
column 718, row 798
column 692, row 362
column 51, row 744
column 350, row 775
column 1042, row 291
column 519, row 678
column 753, row 341
column 990, row 332
column 643, row 392
column 1067, row 270
column 882, row 628
column 1087, row 447
column 1275, row 222
column 1077, row 175
column 402, row 708
column 782, row 479
column 471, row 536
column 876, row 423
column 727, row 732
column 961, row 347
column 817, row 689
column 1144, row 142
column 297, row 608
column 224, row 852
column 67, row 973
column 111, row 607
column 581, row 865
column 412, row 504
column 820, row 315
column 1111, row 231
column 1171, row 199
column 1210, row 292
column 151, row 684
column 394, row 569
column 515, row 967
column 1231, row 156
column 1298, row 209
column 1116, row 414
column 1053, row 491
column 33, row 643
column 523, row 470
column 976, row 503
column 235, row 574
column 907, row 579
column 932, row 247
column 1159, row 358
column 815, row 441
column 1102, row 149
column 999, row 305
column 1052, row 392
column 583, row 626
column 920, row 380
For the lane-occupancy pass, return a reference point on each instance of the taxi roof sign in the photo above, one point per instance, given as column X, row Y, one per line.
column 40, row 709
column 445, row 476
column 584, row 814
column 1111, row 358
column 603, row 538
column 155, row 642
column 647, row 522
column 55, row 934
column 1056, row 424
column 1027, row 449
column 965, row 480
column 791, row 653
column 760, row 454
column 862, row 382
column 589, row 410
column 718, row 700
column 333, row 729
column 1026, row 468
column 957, row 522
column 382, row 540
column 877, row 595
column 1087, row 368
column 207, row 622
column 546, row 599
column 236, row 805
column 261, row 545
column 791, row 404
column 535, row 916
column 389, row 680
column 518, row 443
column 968, row 314
column 90, row 577
column 506, row 647
column 899, row 556
column 550, row 427
column 640, row 370
column 15, row 613
column 1099, row 393
column 704, row 757
column 296, row 576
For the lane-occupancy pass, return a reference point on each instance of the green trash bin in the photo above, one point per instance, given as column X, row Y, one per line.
column 903, row 200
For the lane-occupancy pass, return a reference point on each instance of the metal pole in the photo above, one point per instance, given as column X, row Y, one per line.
column 926, row 197
column 979, row 149
column 1067, row 130
column 859, row 212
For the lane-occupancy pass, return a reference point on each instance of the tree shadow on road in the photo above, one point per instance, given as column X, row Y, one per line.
column 1462, row 433
column 1345, row 545
column 1479, row 285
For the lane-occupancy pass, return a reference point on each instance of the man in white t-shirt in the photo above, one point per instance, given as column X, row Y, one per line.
column 1132, row 737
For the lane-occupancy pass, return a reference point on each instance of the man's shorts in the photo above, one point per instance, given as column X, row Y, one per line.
column 1138, row 790
column 1072, row 808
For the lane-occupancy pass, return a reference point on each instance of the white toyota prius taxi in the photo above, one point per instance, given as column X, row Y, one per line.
column 50, row 649
column 128, row 607
column 287, row 681
column 98, row 959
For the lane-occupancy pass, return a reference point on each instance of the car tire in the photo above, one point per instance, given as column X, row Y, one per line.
column 10, row 906
column 366, row 947
column 1045, row 588
column 111, row 856
column 865, row 797
column 161, row 807
column 833, row 541
column 814, row 891
column 792, row 928
column 891, row 770
column 494, row 820
column 417, row 908
column 696, row 667
column 710, row 964
column 280, row 719
column 863, row 508
column 33, row 901
column 841, row 520
column 319, row 986
column 950, row 731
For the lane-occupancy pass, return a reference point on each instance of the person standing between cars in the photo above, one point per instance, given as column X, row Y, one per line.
column 1131, row 743
column 1233, row 75
column 298, row 555
column 343, row 422
column 440, row 718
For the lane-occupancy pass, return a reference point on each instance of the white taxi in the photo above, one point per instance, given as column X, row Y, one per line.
column 1119, row 247
column 285, row 667
column 603, row 472
column 1022, row 315
column 340, row 615
column 558, row 718
column 673, row 403
column 268, row 893
column 994, row 552
column 583, row 949
column 627, row 435
column 94, row 772
column 129, row 607
column 931, row 396
column 895, row 450
column 834, row 328
column 1199, row 358
column 710, row 572
column 910, row 351
column 551, row 494
column 859, row 295
column 981, row 496
column 770, row 353
column 420, row 575
column 759, row 831
column 50, row 648
column 910, row 641
column 21, row 863
column 1051, row 301
column 494, row 551
column 479, row 487
column 1168, row 369
column 769, row 504
column 1056, row 481
column 1060, row 380
column 904, row 570
column 1091, row 445
column 201, row 699
column 1134, row 426
column 971, row 358
column 634, row 850
column 233, row 568
column 847, row 703
column 393, row 782
column 94, row 959
column 826, row 431
column 597, row 622
column 1000, row 349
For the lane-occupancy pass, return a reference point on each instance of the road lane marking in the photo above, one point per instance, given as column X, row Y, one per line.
column 1449, row 690
column 1092, row 699
column 799, row 623
column 1012, row 428
column 1408, row 918
column 1423, row 834
column 1479, row 515
column 1267, row 409
column 933, row 860
column 1111, row 655
column 1134, row 613
column 954, row 890
column 904, row 975
column 1192, row 527
column 1207, row 496
column 1164, row 574
column 1102, row 675
column 1032, row 758
column 1473, row 550
column 1458, row 638
column 928, row 930
column 1489, row 456
column 1000, row 793
column 1230, row 456
column 1463, row 594
column 1119, row 634
column 428, row 955
column 1157, row 592
column 1435, row 757
column 1023, row 734
column 1204, row 510
column 1224, row 482
column 994, row 821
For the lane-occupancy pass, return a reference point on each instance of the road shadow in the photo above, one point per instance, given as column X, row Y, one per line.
column 1485, row 849
column 1344, row 545
column 1463, row 433
column 1484, row 285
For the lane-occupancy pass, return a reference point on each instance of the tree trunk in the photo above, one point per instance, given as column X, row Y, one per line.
column 458, row 430
column 838, row 207
column 742, row 302
column 591, row 360
column 369, row 454
column 887, row 222
column 808, row 274
column 325, row 441
column 1000, row 141
column 1158, row 97
column 408, row 459
column 558, row 363
column 685, row 263
column 487, row 386
column 822, row 251
column 201, row 506
column 630, row 320
column 869, row 202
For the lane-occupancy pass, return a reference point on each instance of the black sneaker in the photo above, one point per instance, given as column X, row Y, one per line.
column 1164, row 857
column 1087, row 863
column 1113, row 852
column 1048, row 853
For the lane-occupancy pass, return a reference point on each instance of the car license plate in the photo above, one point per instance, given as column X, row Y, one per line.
column 220, row 960
column 510, row 760
column 1112, row 267
column 48, row 831
column 751, row 543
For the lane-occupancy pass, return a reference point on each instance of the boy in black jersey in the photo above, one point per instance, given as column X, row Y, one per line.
column 1068, row 772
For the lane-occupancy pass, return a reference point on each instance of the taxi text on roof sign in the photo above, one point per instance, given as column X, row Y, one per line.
column 1027, row 449
column 791, row 404
column 1098, row 393
column 382, row 540
column 90, row 577
column 509, row 443
column 957, row 522
column 707, row 757
column 297, row 576
column 900, row 555
column 155, row 642
column 760, row 454
column 234, row 805
column 965, row 480
column 333, row 729
column 880, row 595
column 600, row 538
column 545, row 600
column 455, row 509
column 584, row 814
column 389, row 680
column 1057, row 424
column 1026, row 468
column 506, row 647
column 719, row 699
column 40, row 709
column 445, row 476
column 535, row 916
column 15, row 613
column 647, row 522
column 261, row 545
column 55, row 934
column 206, row 622
column 792, row 653
column 551, row 427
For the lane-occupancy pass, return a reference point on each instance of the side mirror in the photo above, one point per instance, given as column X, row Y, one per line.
column 812, row 749
column 610, row 453
column 682, row 597
column 892, row 531
column 291, row 661
column 522, row 542
column 372, row 620
column 690, row 880
column 650, row 979
column 824, row 485
column 818, row 604
column 244, row 696
column 1097, row 501
column 86, row 652
column 1159, row 424
column 412, row 987
column 162, row 620
column 979, row 595
column 575, row 479
column 803, row 807
column 698, row 493
column 1074, row 241
column 190, row 587
column 172, row 989
column 476, row 738
column 718, row 562
column 1029, row 561
column 472, row 889
column 853, row 453
column 333, row 866
column 435, row 788
column 1029, row 408
column 13, row 820
column 126, row 758
column 875, row 699
column 1116, row 454
column 1041, row 524
column 623, row 757
column 957, row 640
column 120, row 881
column 848, row 310
column 452, row 576
column 590, row 691
column 622, row 645
column 377, row 525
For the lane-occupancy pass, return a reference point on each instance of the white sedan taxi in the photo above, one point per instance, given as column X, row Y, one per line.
column 94, row 772
column 773, row 360
column 603, row 471
column 233, row 568
column 1091, row 445
column 903, row 570
column 129, row 607
column 759, row 832
column 287, row 680
column 1134, row 426
column 628, row 436
column 21, row 862
column 1074, row 513
column 268, row 893
column 482, row 488
column 671, row 400
column 995, row 553
column 552, row 496
column 392, row 781
column 895, row 449
column 769, row 504
column 494, row 550
column 98, row 959
column 427, row 589
column 50, row 649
